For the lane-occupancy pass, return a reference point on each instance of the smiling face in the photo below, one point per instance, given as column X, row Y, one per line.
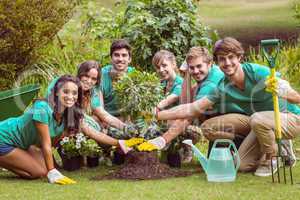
column 120, row 59
column 67, row 95
column 198, row 68
column 89, row 80
column 166, row 69
column 229, row 63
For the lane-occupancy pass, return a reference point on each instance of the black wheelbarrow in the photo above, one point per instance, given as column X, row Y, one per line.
column 13, row 102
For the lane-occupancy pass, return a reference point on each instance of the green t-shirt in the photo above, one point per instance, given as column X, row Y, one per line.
column 106, row 86
column 21, row 132
column 95, row 100
column 175, row 89
column 208, row 85
column 252, row 99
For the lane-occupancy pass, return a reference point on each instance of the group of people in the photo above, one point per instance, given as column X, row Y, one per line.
column 229, row 99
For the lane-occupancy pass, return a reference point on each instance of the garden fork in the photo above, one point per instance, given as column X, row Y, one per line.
column 267, row 47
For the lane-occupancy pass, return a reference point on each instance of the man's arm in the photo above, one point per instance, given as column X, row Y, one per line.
column 185, row 111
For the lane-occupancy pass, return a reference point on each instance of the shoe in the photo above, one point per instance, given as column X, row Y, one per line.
column 288, row 152
column 265, row 169
column 187, row 154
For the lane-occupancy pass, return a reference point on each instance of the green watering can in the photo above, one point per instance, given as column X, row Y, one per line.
column 13, row 102
column 220, row 167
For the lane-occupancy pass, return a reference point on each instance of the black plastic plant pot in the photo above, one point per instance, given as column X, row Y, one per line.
column 119, row 158
column 72, row 164
column 174, row 160
column 92, row 161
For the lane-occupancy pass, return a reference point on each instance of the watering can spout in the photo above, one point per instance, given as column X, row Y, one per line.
column 201, row 158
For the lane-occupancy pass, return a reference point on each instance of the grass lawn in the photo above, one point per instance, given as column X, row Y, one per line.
column 250, row 20
column 246, row 187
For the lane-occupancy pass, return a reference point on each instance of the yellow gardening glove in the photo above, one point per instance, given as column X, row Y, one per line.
column 134, row 141
column 271, row 85
column 157, row 143
column 65, row 181
column 146, row 146
column 54, row 176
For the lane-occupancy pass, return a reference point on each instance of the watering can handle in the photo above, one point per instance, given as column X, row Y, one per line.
column 231, row 144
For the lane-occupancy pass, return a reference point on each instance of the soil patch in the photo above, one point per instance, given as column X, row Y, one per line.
column 144, row 166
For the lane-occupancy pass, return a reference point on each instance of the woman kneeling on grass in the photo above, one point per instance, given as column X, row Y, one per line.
column 43, row 122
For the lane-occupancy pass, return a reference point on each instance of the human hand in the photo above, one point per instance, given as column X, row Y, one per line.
column 54, row 176
column 277, row 86
column 154, row 144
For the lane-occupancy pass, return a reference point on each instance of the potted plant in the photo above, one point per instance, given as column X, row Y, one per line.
column 92, row 151
column 70, row 151
column 173, row 156
column 137, row 94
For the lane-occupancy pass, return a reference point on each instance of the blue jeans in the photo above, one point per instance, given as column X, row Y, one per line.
column 5, row 149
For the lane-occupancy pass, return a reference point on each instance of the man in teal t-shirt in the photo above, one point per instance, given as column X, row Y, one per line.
column 120, row 53
column 241, row 93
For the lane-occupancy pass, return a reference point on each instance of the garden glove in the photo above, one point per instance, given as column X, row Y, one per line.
column 130, row 130
column 54, row 176
column 157, row 143
column 134, row 141
column 124, row 147
column 277, row 86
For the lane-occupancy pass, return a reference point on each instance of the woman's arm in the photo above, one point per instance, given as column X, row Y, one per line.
column 186, row 111
column 103, row 115
column 99, row 137
column 43, row 131
column 172, row 98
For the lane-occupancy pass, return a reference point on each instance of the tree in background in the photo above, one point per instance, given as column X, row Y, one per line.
column 151, row 25
column 25, row 27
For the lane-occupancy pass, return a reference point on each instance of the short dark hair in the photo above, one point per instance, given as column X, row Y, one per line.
column 228, row 45
column 120, row 44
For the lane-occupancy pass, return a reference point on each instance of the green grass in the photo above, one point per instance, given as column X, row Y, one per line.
column 249, row 19
column 194, row 187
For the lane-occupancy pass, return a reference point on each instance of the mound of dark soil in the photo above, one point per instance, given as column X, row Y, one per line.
column 143, row 166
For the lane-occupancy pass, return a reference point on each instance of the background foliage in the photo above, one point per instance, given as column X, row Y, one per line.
column 26, row 26
column 152, row 25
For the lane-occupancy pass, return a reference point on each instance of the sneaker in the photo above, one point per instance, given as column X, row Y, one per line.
column 187, row 154
column 265, row 169
column 288, row 152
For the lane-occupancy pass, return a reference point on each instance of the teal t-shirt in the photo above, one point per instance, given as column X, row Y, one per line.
column 175, row 89
column 252, row 99
column 106, row 86
column 21, row 132
column 95, row 100
column 208, row 85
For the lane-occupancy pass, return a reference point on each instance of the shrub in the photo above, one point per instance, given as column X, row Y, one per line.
column 150, row 26
column 25, row 27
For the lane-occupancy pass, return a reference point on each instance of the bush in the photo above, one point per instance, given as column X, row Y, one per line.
column 150, row 26
column 25, row 27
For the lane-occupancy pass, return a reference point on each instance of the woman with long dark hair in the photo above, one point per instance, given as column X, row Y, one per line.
column 26, row 141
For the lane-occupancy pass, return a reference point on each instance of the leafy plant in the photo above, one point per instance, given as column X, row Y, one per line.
column 138, row 93
column 150, row 26
column 26, row 27
column 162, row 24
column 71, row 146
column 90, row 148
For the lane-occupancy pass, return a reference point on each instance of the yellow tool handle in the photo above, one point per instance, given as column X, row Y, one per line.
column 276, row 110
